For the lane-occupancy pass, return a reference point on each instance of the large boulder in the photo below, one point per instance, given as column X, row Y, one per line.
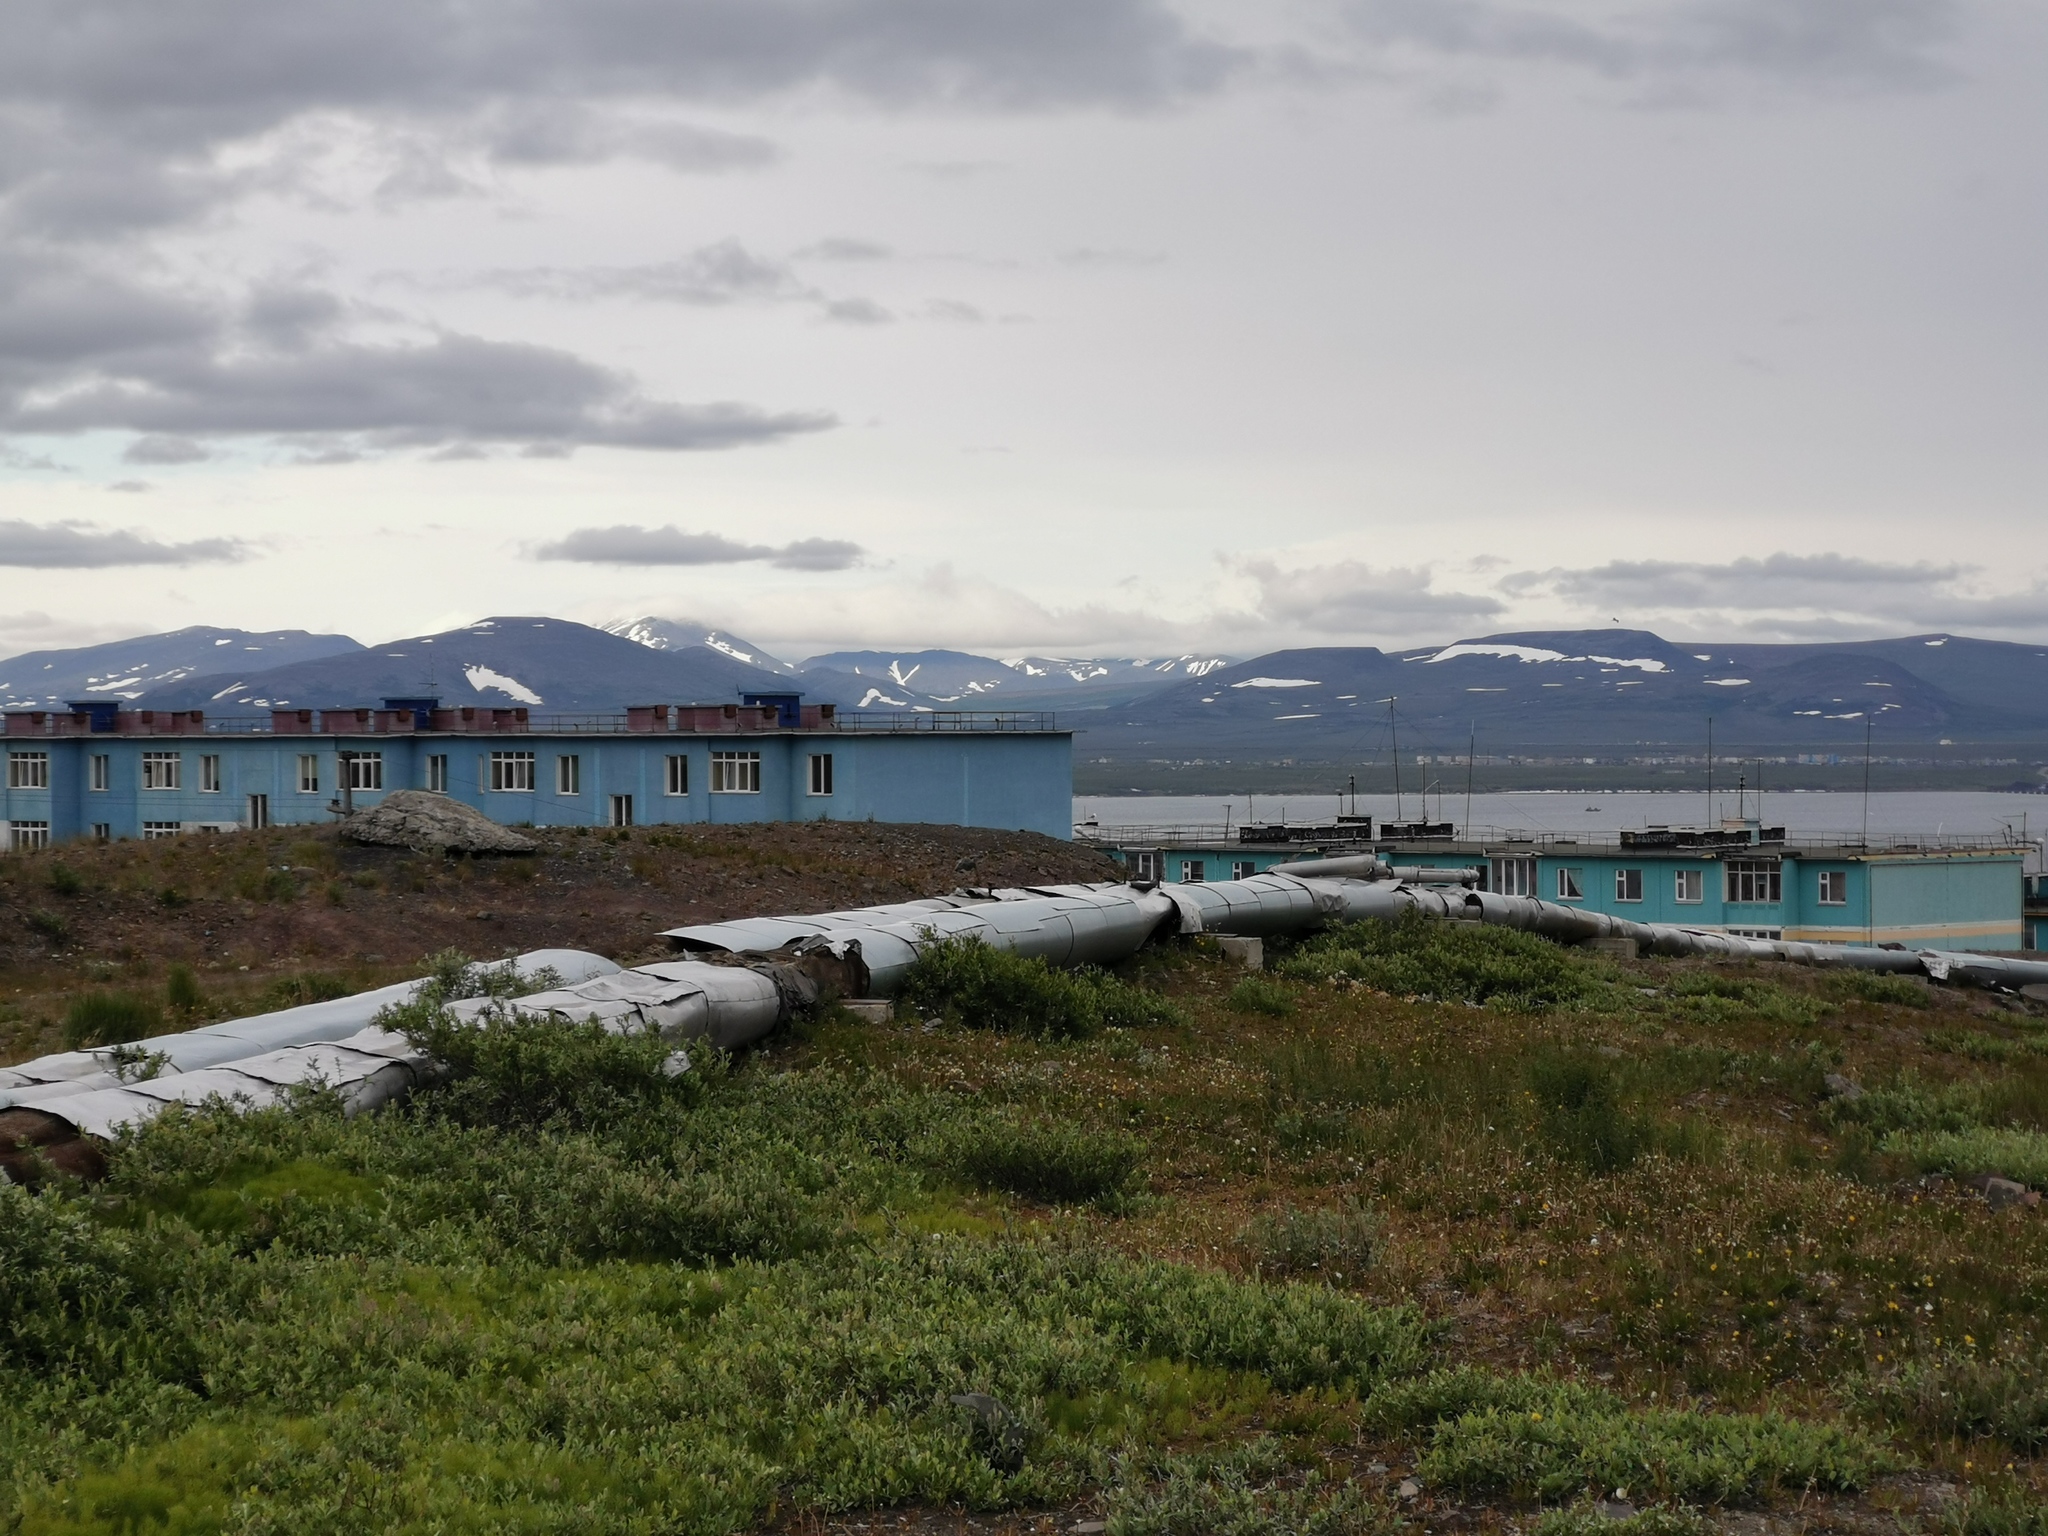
column 431, row 823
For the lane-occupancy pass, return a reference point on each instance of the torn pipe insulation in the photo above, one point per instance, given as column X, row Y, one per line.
column 729, row 1005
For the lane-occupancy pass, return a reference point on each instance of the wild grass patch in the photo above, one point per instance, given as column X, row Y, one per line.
column 967, row 982
column 1445, row 962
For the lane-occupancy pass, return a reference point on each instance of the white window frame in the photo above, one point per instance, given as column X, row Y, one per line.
column 1753, row 882
column 309, row 773
column 365, row 771
column 162, row 770
column 152, row 831
column 1147, row 864
column 1623, row 880
column 1243, row 869
column 437, row 773
column 735, row 773
column 1834, row 887
column 678, row 770
column 209, row 773
column 103, row 831
column 1193, row 871
column 28, row 836
column 258, row 815
column 1513, row 875
column 100, row 773
column 821, row 773
column 1571, row 884
column 569, row 774
column 1688, row 886
column 512, row 773
column 28, row 770
column 620, row 810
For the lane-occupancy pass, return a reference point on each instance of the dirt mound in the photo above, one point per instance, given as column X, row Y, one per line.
column 430, row 823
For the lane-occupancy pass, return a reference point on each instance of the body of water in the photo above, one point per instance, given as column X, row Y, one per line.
column 2021, row 817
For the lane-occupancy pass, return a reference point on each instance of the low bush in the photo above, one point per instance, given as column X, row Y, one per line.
column 1062, row 1163
column 1195, row 1498
column 306, row 987
column 2000, row 1393
column 1710, row 995
column 1257, row 995
column 968, row 982
column 181, row 990
column 1579, row 1115
column 63, row 880
column 2006, row 1154
column 1444, row 962
column 1877, row 987
column 110, row 1018
column 47, row 925
column 1656, row 1521
column 2008, row 1512
column 1337, row 1246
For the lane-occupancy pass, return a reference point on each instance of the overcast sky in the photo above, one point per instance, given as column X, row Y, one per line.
column 1060, row 325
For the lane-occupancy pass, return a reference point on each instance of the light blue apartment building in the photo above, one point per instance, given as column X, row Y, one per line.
column 101, row 772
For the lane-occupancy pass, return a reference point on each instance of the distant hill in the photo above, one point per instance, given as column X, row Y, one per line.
column 963, row 680
column 1586, row 688
column 550, row 665
column 128, row 669
column 681, row 634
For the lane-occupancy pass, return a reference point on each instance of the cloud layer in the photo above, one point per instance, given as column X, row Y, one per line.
column 83, row 546
column 628, row 545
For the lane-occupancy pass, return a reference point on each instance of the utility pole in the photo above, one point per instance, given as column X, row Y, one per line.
column 1866, row 787
column 1710, row 772
column 1394, row 734
column 1471, row 751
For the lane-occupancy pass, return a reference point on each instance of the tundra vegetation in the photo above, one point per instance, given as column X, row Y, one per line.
column 1443, row 1227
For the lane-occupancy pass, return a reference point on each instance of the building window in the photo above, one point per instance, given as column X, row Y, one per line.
column 1754, row 880
column 1688, row 886
column 437, row 773
column 735, row 773
column 259, row 812
column 102, row 771
column 568, row 775
column 679, row 775
column 28, row 836
column 1243, row 869
column 365, row 770
column 821, row 773
column 209, row 774
column 161, row 770
column 1628, row 885
column 622, row 810
column 103, row 831
column 1571, row 885
column 1147, row 865
column 1834, row 887
column 512, row 772
column 28, row 770
column 1194, row 871
column 309, row 773
column 1513, row 877
column 1756, row 933
column 152, row 830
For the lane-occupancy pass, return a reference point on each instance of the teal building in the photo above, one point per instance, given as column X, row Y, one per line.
column 1742, row 878
column 103, row 773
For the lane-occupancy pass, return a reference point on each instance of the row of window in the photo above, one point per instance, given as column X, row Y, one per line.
column 1745, row 882
column 732, row 773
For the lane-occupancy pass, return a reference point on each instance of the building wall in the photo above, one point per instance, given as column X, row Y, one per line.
column 1013, row 780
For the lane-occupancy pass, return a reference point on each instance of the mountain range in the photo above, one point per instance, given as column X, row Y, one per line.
column 1545, row 689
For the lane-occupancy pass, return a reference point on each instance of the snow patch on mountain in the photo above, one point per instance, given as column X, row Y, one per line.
column 1537, row 653
column 1278, row 682
column 481, row 677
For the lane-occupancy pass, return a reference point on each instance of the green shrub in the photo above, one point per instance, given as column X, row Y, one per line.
column 1063, row 1163
column 1657, row 1521
column 181, row 990
column 1877, row 987
column 2007, row 1154
column 1710, row 995
column 1909, row 1104
column 2006, row 1513
column 1257, row 995
column 1999, row 1393
column 47, row 925
column 110, row 1018
column 968, row 982
column 306, row 987
column 1194, row 1499
column 1333, row 1245
column 64, row 880
column 1422, row 957
column 1579, row 1115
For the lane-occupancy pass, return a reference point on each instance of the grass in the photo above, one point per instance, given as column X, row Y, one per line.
column 1209, row 1263
column 110, row 1018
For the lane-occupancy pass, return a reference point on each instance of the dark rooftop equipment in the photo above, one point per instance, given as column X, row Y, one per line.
column 788, row 707
column 421, row 710
column 101, row 712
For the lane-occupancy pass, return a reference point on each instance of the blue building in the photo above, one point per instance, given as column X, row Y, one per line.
column 97, row 771
column 1741, row 878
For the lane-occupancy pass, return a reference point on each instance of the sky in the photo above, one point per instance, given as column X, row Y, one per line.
column 1069, row 326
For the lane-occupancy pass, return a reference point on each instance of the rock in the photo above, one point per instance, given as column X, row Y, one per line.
column 2003, row 1194
column 1249, row 953
column 997, row 1435
column 1615, row 1509
column 1839, row 1087
column 430, row 823
column 1409, row 1489
column 1377, row 1469
column 1090, row 1527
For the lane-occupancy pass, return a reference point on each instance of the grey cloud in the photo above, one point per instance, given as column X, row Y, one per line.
column 857, row 312
column 1774, row 581
column 1346, row 597
column 841, row 248
column 1087, row 256
column 724, row 273
column 83, row 351
column 626, row 544
column 559, row 132
column 131, row 487
column 1884, row 43
column 160, row 448
column 83, row 546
